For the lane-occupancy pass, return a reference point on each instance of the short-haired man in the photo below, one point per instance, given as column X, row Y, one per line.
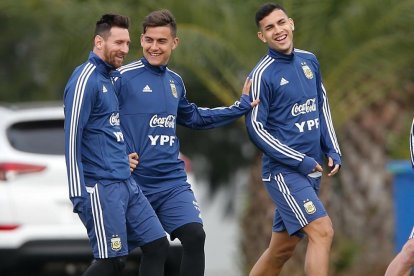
column 152, row 100
column 292, row 126
column 113, row 209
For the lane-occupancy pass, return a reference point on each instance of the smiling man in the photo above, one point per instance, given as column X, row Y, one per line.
column 113, row 209
column 292, row 126
column 152, row 101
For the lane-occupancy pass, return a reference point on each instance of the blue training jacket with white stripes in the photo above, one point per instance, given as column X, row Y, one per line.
column 152, row 99
column 292, row 125
column 94, row 144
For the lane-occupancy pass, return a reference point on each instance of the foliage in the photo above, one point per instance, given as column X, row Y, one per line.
column 364, row 48
column 43, row 40
column 345, row 255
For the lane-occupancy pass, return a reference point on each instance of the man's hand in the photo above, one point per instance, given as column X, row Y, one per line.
column 318, row 168
column 246, row 91
column 133, row 161
column 334, row 169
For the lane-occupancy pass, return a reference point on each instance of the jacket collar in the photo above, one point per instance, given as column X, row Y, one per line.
column 101, row 66
column 280, row 56
column 155, row 69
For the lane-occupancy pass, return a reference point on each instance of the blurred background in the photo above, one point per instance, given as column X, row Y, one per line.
column 365, row 48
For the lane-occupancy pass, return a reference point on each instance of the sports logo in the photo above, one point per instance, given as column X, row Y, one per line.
column 116, row 244
column 168, row 122
column 283, row 81
column 114, row 120
column 173, row 89
column 147, row 89
column 303, row 108
column 308, row 72
column 309, row 207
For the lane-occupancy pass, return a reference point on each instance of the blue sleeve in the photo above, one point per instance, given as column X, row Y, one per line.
column 329, row 142
column 256, row 124
column 412, row 143
column 194, row 117
column 78, row 102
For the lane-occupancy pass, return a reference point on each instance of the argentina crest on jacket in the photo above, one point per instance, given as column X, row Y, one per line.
column 116, row 243
column 173, row 89
column 308, row 72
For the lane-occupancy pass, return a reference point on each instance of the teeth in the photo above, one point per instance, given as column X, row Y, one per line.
column 281, row 38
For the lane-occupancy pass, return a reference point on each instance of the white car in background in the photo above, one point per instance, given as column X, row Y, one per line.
column 37, row 224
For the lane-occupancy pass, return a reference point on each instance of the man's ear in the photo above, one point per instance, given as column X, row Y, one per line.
column 261, row 37
column 176, row 41
column 141, row 40
column 292, row 24
column 98, row 42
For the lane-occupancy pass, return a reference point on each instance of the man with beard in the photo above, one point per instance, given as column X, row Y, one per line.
column 113, row 209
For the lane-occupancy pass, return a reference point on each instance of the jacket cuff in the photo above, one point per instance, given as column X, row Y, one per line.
column 77, row 204
column 335, row 157
column 307, row 165
column 245, row 102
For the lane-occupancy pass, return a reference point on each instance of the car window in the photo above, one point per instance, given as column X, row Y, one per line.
column 43, row 136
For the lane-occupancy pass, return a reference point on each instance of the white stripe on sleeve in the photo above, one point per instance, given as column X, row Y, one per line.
column 74, row 178
column 328, row 119
column 258, row 126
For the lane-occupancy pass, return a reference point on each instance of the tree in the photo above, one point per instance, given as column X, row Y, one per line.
column 43, row 40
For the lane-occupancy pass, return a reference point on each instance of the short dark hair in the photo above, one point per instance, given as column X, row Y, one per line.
column 266, row 9
column 160, row 18
column 107, row 21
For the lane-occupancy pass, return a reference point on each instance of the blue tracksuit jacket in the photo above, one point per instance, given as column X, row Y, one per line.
column 292, row 124
column 151, row 101
column 94, row 145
